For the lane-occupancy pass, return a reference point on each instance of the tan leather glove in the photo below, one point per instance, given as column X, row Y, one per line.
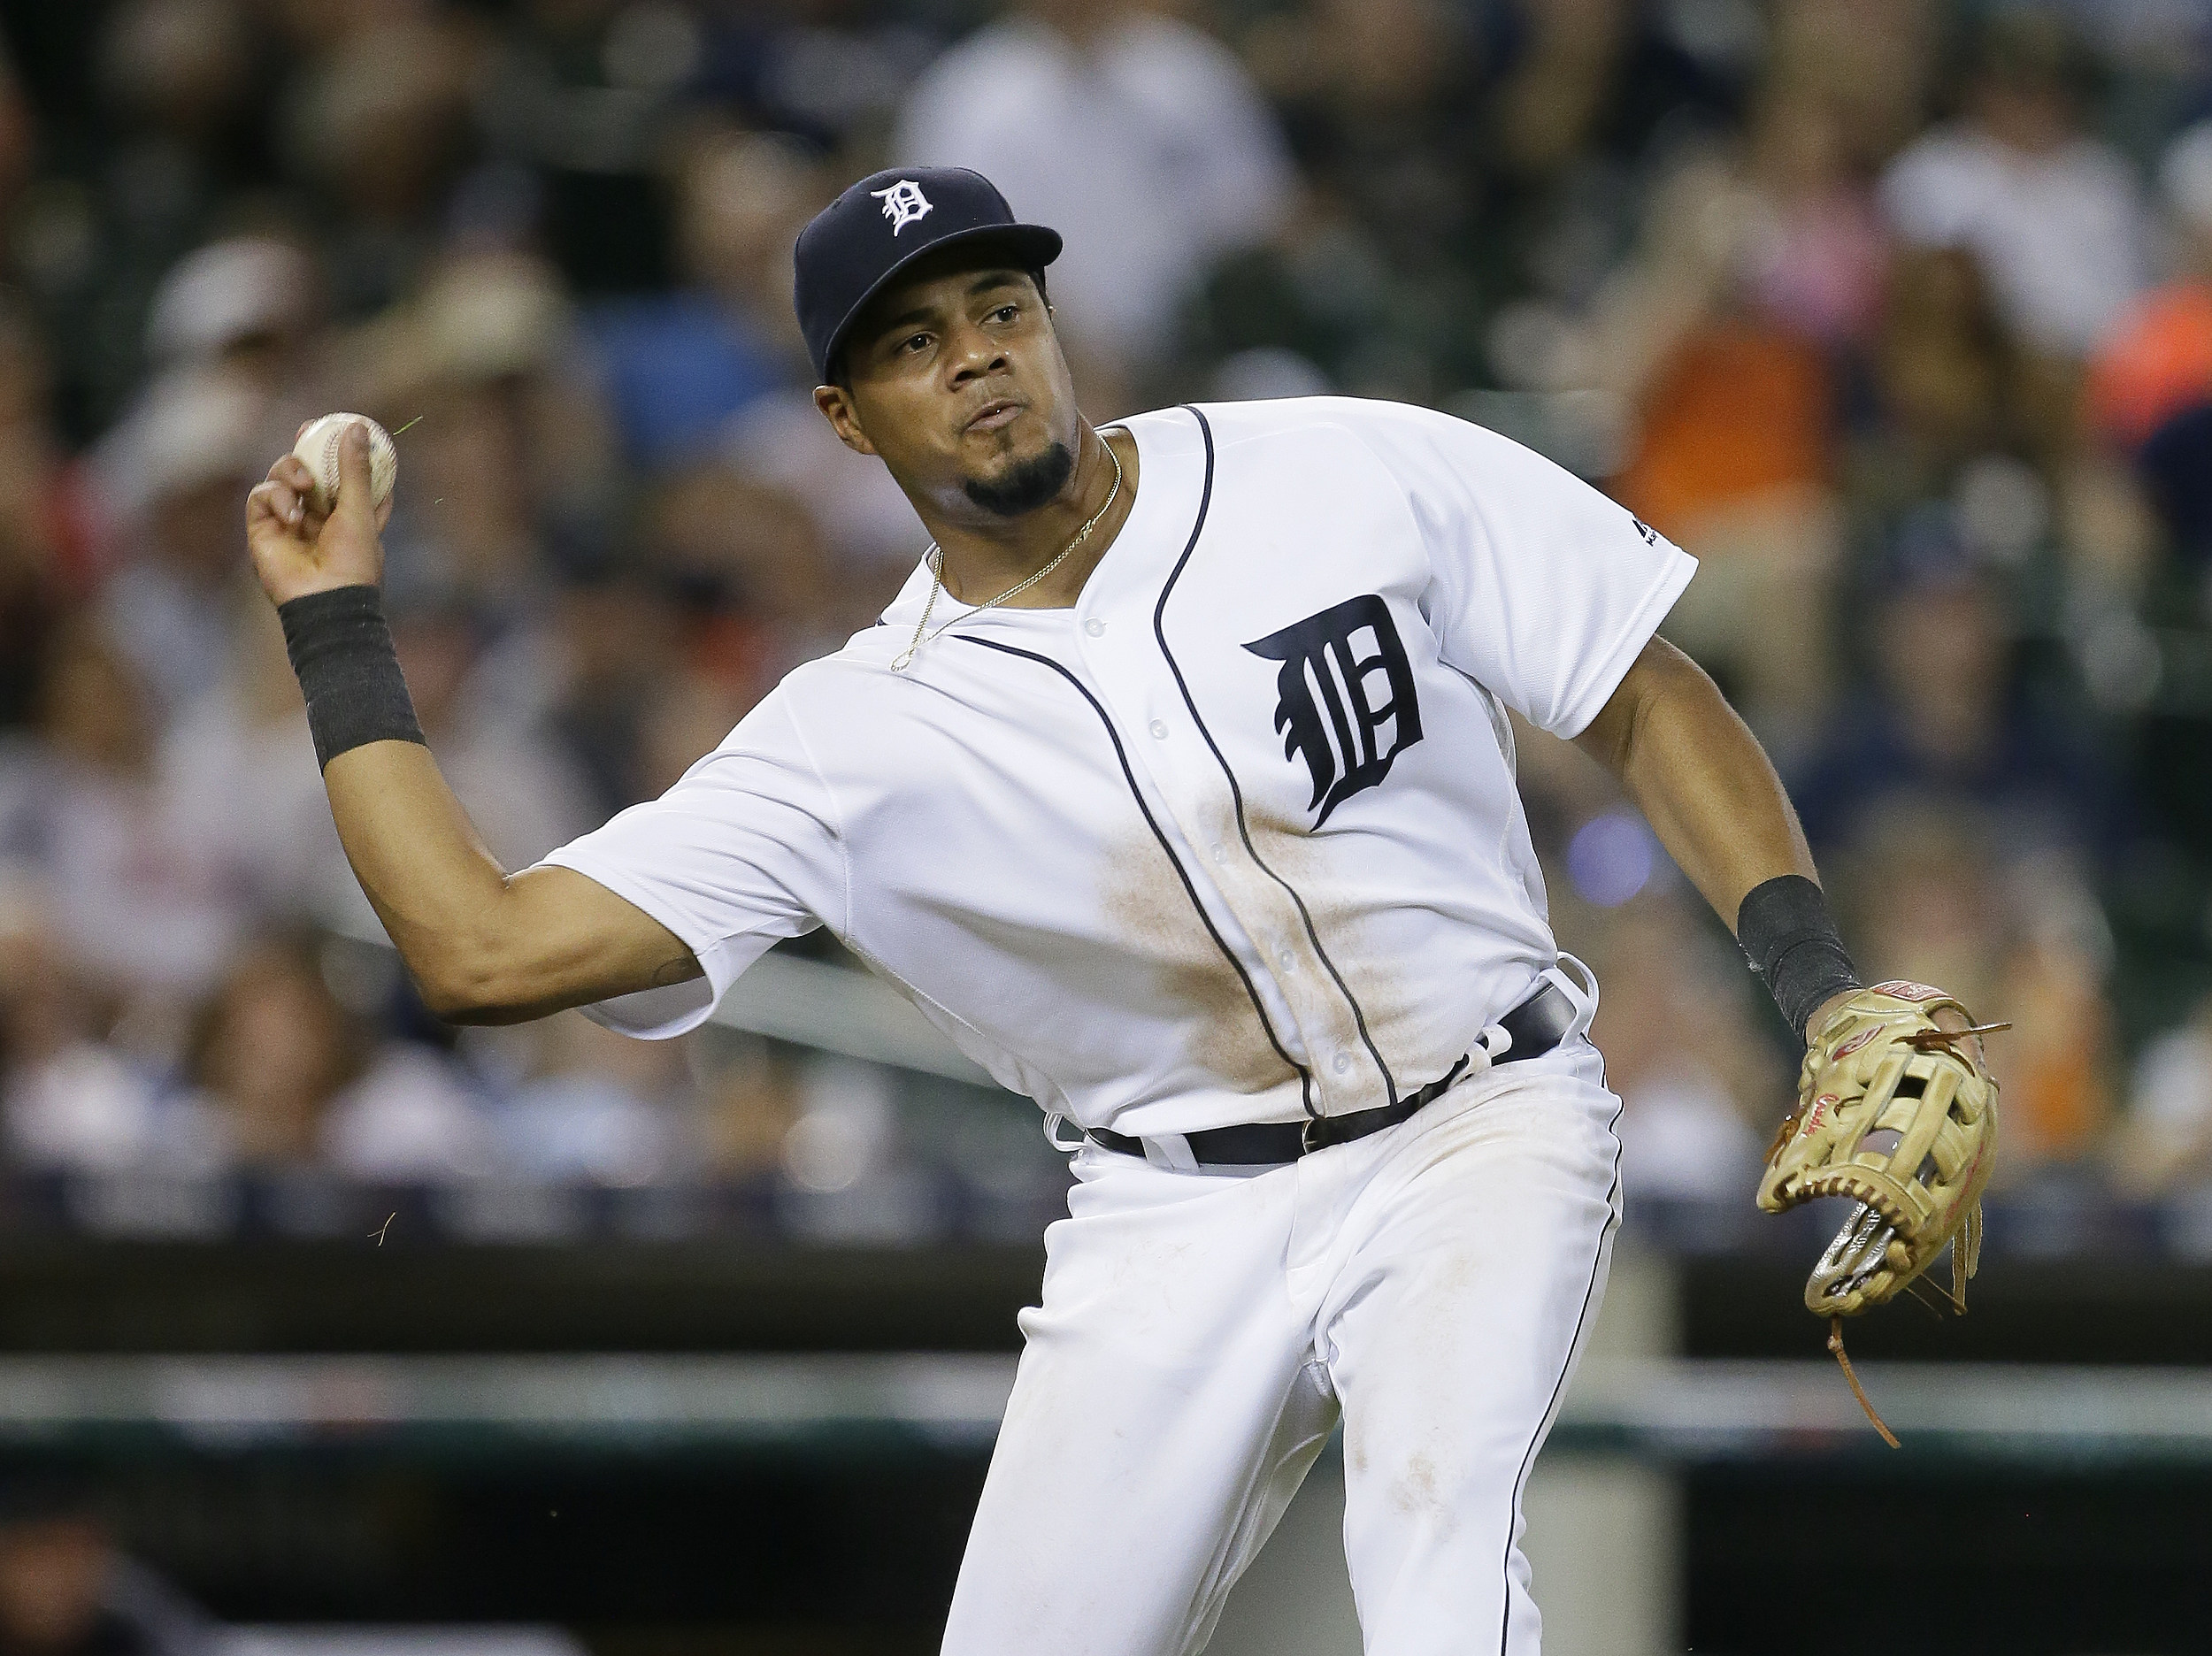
column 1900, row 1115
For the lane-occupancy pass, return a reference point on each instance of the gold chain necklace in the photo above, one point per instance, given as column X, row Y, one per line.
column 935, row 559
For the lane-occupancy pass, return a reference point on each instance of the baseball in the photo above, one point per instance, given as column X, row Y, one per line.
column 317, row 447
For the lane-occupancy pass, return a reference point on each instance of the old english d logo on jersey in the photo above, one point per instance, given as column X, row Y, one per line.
column 902, row 203
column 1345, row 699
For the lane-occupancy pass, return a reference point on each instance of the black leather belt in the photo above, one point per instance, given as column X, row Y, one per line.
column 1533, row 1029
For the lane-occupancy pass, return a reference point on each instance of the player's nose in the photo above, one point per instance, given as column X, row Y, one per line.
column 975, row 354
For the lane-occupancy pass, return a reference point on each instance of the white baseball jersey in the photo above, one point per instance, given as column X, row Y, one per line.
column 1233, row 839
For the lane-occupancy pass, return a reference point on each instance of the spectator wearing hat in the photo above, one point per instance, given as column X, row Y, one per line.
column 172, row 477
column 514, row 467
column 2054, row 215
column 248, row 309
column 246, row 303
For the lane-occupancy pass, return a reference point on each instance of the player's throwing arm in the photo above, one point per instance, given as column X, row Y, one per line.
column 484, row 946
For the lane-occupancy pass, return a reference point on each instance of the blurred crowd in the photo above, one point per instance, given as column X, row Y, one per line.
column 1897, row 314
column 67, row 1589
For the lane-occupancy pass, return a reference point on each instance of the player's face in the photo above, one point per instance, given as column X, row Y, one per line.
column 958, row 383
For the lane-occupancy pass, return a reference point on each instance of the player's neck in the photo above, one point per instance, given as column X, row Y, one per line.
column 982, row 560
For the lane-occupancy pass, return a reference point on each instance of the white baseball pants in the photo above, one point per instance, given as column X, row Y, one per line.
column 1200, row 1333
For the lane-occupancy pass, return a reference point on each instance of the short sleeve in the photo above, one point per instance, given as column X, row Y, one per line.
column 742, row 851
column 1542, row 590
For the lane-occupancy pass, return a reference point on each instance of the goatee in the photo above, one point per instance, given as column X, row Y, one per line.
column 1026, row 485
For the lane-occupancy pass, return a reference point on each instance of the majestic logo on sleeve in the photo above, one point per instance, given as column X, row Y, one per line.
column 902, row 203
column 1346, row 700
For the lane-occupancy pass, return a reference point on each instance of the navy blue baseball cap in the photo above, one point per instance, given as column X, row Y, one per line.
column 883, row 224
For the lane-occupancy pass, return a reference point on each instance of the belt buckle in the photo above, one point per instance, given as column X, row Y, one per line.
column 1306, row 1145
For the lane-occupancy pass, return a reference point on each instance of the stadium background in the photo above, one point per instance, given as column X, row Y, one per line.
column 314, row 1313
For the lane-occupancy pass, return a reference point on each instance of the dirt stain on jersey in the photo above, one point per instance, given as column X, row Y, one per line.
column 1145, row 901
column 1338, row 912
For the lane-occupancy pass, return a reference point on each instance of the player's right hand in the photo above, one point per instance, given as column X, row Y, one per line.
column 297, row 550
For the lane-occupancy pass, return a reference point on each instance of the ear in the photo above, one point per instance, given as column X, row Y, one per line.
column 836, row 404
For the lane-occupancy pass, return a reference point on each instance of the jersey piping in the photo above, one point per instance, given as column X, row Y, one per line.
column 1236, row 794
column 1121, row 757
column 1582, row 1316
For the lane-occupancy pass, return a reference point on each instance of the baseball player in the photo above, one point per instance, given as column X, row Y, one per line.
column 1177, row 789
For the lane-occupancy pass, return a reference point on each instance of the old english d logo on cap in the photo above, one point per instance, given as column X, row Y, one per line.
column 902, row 203
column 844, row 256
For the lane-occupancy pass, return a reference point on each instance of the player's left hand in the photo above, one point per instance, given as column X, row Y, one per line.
column 1896, row 1109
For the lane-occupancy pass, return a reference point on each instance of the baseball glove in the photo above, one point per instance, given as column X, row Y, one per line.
column 1900, row 1115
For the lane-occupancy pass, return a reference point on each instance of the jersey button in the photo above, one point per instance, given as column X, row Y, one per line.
column 1221, row 854
column 1159, row 730
column 1340, row 1062
column 1094, row 626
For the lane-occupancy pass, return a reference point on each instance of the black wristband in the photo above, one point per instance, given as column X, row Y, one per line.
column 341, row 651
column 1785, row 930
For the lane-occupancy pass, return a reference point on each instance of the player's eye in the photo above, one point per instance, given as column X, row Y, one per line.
column 914, row 342
column 1006, row 313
